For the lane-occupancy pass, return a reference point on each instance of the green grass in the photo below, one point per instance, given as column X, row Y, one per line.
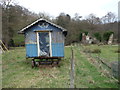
column 17, row 71
column 88, row 75
column 18, row 39
column 107, row 51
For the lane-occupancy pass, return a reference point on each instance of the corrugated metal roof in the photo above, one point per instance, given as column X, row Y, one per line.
column 41, row 19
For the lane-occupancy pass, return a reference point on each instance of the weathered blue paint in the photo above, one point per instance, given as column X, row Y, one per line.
column 50, row 27
column 57, row 39
column 30, row 34
column 31, row 50
column 30, row 37
column 58, row 49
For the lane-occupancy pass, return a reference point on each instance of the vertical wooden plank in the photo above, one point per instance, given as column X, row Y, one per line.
column 72, row 70
column 38, row 45
column 50, row 42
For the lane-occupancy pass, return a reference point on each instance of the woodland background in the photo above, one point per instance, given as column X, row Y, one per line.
column 16, row 17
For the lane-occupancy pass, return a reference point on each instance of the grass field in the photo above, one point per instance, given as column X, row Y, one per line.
column 108, row 52
column 17, row 71
column 89, row 75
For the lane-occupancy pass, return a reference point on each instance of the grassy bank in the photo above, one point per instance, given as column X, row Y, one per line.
column 89, row 75
column 17, row 71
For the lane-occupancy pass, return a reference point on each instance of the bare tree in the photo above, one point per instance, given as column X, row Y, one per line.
column 6, row 29
column 7, row 3
column 92, row 19
column 77, row 17
column 109, row 18
column 44, row 15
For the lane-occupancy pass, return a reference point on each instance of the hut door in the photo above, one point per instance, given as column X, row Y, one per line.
column 44, row 44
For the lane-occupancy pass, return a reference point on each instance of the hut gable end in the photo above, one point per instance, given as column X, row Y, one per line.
column 41, row 25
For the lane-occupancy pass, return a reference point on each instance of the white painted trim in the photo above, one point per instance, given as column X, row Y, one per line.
column 38, row 45
column 50, row 42
column 41, row 19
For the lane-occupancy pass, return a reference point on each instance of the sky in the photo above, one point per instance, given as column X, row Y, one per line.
column 119, row 11
column 82, row 7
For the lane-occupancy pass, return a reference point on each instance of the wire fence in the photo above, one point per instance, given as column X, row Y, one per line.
column 101, row 62
column 98, row 57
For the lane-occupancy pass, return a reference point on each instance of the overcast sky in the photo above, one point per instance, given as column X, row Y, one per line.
column 82, row 7
column 119, row 11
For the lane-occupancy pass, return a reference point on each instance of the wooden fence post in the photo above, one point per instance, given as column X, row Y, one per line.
column 72, row 70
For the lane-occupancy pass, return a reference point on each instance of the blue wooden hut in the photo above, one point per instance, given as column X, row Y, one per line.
column 44, row 39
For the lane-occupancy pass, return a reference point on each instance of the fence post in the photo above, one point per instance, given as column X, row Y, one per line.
column 72, row 70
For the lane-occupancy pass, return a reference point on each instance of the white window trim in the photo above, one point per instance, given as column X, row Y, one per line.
column 50, row 42
column 38, row 45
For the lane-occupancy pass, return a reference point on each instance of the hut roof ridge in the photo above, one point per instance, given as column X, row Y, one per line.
column 38, row 20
